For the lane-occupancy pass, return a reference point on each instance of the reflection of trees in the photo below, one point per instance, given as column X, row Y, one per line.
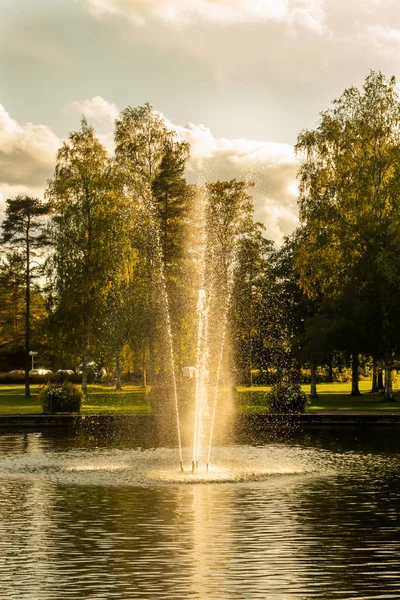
column 25, row 525
column 349, row 535
column 124, row 540
column 307, row 536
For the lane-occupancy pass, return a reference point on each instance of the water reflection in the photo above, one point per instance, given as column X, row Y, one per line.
column 82, row 521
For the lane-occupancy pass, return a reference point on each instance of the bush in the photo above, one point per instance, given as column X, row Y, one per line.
column 19, row 378
column 58, row 397
column 287, row 398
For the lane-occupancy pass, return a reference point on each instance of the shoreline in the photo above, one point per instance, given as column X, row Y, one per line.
column 240, row 421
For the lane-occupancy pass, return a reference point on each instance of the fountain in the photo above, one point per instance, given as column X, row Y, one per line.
column 284, row 514
column 216, row 256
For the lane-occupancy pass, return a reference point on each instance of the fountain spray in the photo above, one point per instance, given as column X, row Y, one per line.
column 150, row 211
column 221, row 355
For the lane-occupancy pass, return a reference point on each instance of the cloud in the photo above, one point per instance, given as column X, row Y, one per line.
column 271, row 166
column 11, row 191
column 387, row 39
column 96, row 108
column 182, row 13
column 296, row 49
column 27, row 152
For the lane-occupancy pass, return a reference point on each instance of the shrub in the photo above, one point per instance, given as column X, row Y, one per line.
column 58, row 397
column 19, row 378
column 287, row 398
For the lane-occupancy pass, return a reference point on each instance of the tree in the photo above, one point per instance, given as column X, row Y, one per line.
column 297, row 313
column 23, row 228
column 141, row 138
column 116, row 322
column 171, row 194
column 12, row 301
column 12, row 311
column 152, row 162
column 90, row 217
column 349, row 212
column 254, row 253
column 228, row 217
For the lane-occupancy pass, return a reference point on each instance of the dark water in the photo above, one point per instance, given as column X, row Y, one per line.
column 314, row 516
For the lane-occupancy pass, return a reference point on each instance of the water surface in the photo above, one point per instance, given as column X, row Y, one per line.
column 313, row 516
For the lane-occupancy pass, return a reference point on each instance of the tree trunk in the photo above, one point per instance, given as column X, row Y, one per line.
column 250, row 363
column 85, row 355
column 388, row 396
column 388, row 393
column 374, row 387
column 151, row 320
column 165, row 230
column 330, row 370
column 355, row 390
column 381, row 387
column 152, row 359
column 27, row 315
column 118, row 386
column 144, row 378
column 313, row 382
column 144, row 372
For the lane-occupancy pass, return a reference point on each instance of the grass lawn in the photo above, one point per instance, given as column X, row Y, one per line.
column 13, row 401
column 102, row 399
column 334, row 397
column 134, row 400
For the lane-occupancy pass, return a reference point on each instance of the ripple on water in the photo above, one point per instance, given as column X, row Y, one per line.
column 158, row 466
column 279, row 522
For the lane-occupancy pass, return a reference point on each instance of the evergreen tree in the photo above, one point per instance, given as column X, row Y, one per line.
column 24, row 229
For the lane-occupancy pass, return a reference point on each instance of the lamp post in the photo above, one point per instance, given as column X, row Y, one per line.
column 33, row 354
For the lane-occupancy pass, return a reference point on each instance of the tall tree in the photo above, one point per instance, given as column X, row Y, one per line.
column 171, row 194
column 349, row 209
column 228, row 219
column 23, row 228
column 152, row 161
column 88, row 228
column 12, row 311
column 253, row 263
column 12, row 301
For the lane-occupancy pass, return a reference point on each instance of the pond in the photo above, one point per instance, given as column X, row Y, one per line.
column 299, row 515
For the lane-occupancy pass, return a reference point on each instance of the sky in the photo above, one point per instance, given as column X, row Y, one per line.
column 238, row 79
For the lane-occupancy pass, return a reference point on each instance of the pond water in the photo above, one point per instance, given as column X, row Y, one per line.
column 302, row 516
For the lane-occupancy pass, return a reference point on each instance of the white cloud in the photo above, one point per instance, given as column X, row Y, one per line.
column 96, row 108
column 306, row 13
column 27, row 152
column 271, row 166
column 276, row 47
column 383, row 35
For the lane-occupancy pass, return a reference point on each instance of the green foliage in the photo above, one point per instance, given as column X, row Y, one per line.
column 7, row 378
column 57, row 398
column 90, row 219
column 247, row 321
column 24, row 223
column 287, row 398
column 348, row 249
column 152, row 162
column 12, row 300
